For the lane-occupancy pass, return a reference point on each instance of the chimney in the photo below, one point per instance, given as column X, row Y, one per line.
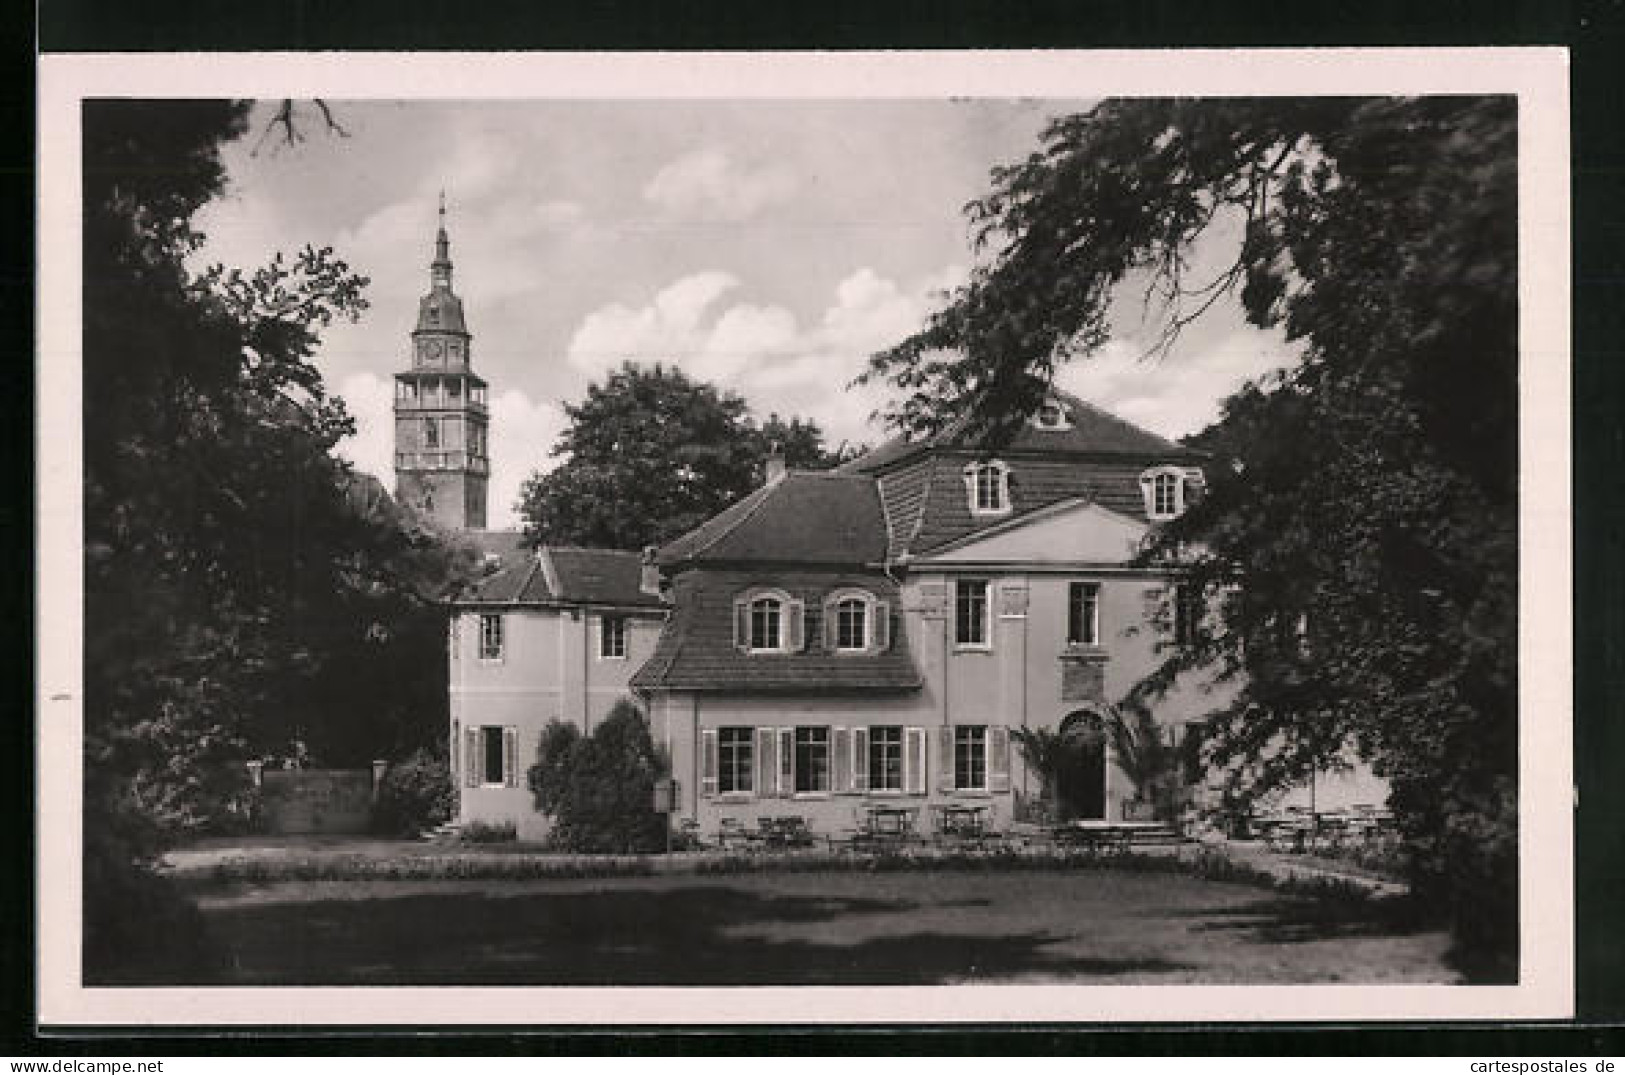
column 649, row 576
column 775, row 464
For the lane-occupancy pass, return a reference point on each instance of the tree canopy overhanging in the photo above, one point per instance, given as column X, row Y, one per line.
column 1358, row 535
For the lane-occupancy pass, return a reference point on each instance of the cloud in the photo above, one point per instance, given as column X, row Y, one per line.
column 1181, row 393
column 763, row 351
column 706, row 184
column 522, row 435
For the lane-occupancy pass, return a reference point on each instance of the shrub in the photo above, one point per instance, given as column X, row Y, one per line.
column 488, row 832
column 600, row 788
column 416, row 794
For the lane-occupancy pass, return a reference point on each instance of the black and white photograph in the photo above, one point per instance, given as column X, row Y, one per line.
column 1042, row 521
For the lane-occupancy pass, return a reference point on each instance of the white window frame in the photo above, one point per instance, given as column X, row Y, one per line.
column 1092, row 627
column 1149, row 484
column 901, row 748
column 1000, row 472
column 986, row 641
column 966, row 735
column 782, row 600
column 725, row 749
column 605, row 634
column 1064, row 422
column 498, row 653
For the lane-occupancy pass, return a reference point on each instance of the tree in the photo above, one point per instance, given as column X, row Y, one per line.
column 599, row 789
column 1357, row 539
column 649, row 455
column 244, row 588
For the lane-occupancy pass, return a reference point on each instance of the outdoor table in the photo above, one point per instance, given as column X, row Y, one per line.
column 889, row 822
column 1104, row 835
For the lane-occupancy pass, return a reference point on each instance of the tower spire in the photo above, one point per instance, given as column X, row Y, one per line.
column 440, row 268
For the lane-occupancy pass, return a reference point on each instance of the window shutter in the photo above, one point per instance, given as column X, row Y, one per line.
column 741, row 624
column 510, row 758
column 787, row 762
column 998, row 758
column 914, row 761
column 945, row 758
column 472, row 756
column 840, row 762
column 882, row 627
column 708, row 762
column 795, row 630
column 767, row 765
column 829, row 625
column 860, row 759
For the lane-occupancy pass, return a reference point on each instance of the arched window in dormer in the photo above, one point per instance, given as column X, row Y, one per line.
column 1165, row 490
column 987, row 488
column 856, row 622
column 768, row 621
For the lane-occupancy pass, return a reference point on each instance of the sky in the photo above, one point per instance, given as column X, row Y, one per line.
column 767, row 247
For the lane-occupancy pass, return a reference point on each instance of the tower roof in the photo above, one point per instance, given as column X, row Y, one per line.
column 441, row 310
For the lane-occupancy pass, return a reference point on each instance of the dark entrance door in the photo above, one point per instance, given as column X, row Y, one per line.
column 1080, row 785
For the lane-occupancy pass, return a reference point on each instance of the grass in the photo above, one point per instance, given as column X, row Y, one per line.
column 1116, row 923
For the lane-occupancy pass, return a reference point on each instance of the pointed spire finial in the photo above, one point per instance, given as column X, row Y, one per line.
column 440, row 268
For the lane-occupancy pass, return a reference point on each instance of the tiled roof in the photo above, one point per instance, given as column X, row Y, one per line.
column 808, row 517
column 1033, row 484
column 696, row 648
column 555, row 574
column 1091, row 431
column 599, row 576
column 518, row 583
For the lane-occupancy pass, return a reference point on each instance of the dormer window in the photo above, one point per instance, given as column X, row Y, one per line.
column 1165, row 492
column 767, row 621
column 987, row 486
column 1052, row 415
column 855, row 622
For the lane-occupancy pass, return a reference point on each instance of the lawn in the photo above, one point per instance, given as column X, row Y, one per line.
column 823, row 928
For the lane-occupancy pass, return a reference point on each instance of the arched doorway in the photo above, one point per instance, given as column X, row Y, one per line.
column 1080, row 778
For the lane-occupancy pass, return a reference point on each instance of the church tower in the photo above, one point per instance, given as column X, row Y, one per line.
column 441, row 418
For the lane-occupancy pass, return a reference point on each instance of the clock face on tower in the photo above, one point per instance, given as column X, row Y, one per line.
column 432, row 349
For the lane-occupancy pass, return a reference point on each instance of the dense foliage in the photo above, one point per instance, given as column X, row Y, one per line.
column 417, row 794
column 599, row 788
column 1358, row 537
column 246, row 593
column 649, row 455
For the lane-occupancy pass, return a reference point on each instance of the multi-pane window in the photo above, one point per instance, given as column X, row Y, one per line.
column 988, row 491
column 1083, row 614
column 885, row 758
column 970, row 757
column 1051, row 415
column 734, row 760
column 766, row 627
column 492, row 769
column 1165, row 495
column 431, row 433
column 491, row 637
column 851, row 623
column 812, row 759
column 970, row 612
column 612, row 636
